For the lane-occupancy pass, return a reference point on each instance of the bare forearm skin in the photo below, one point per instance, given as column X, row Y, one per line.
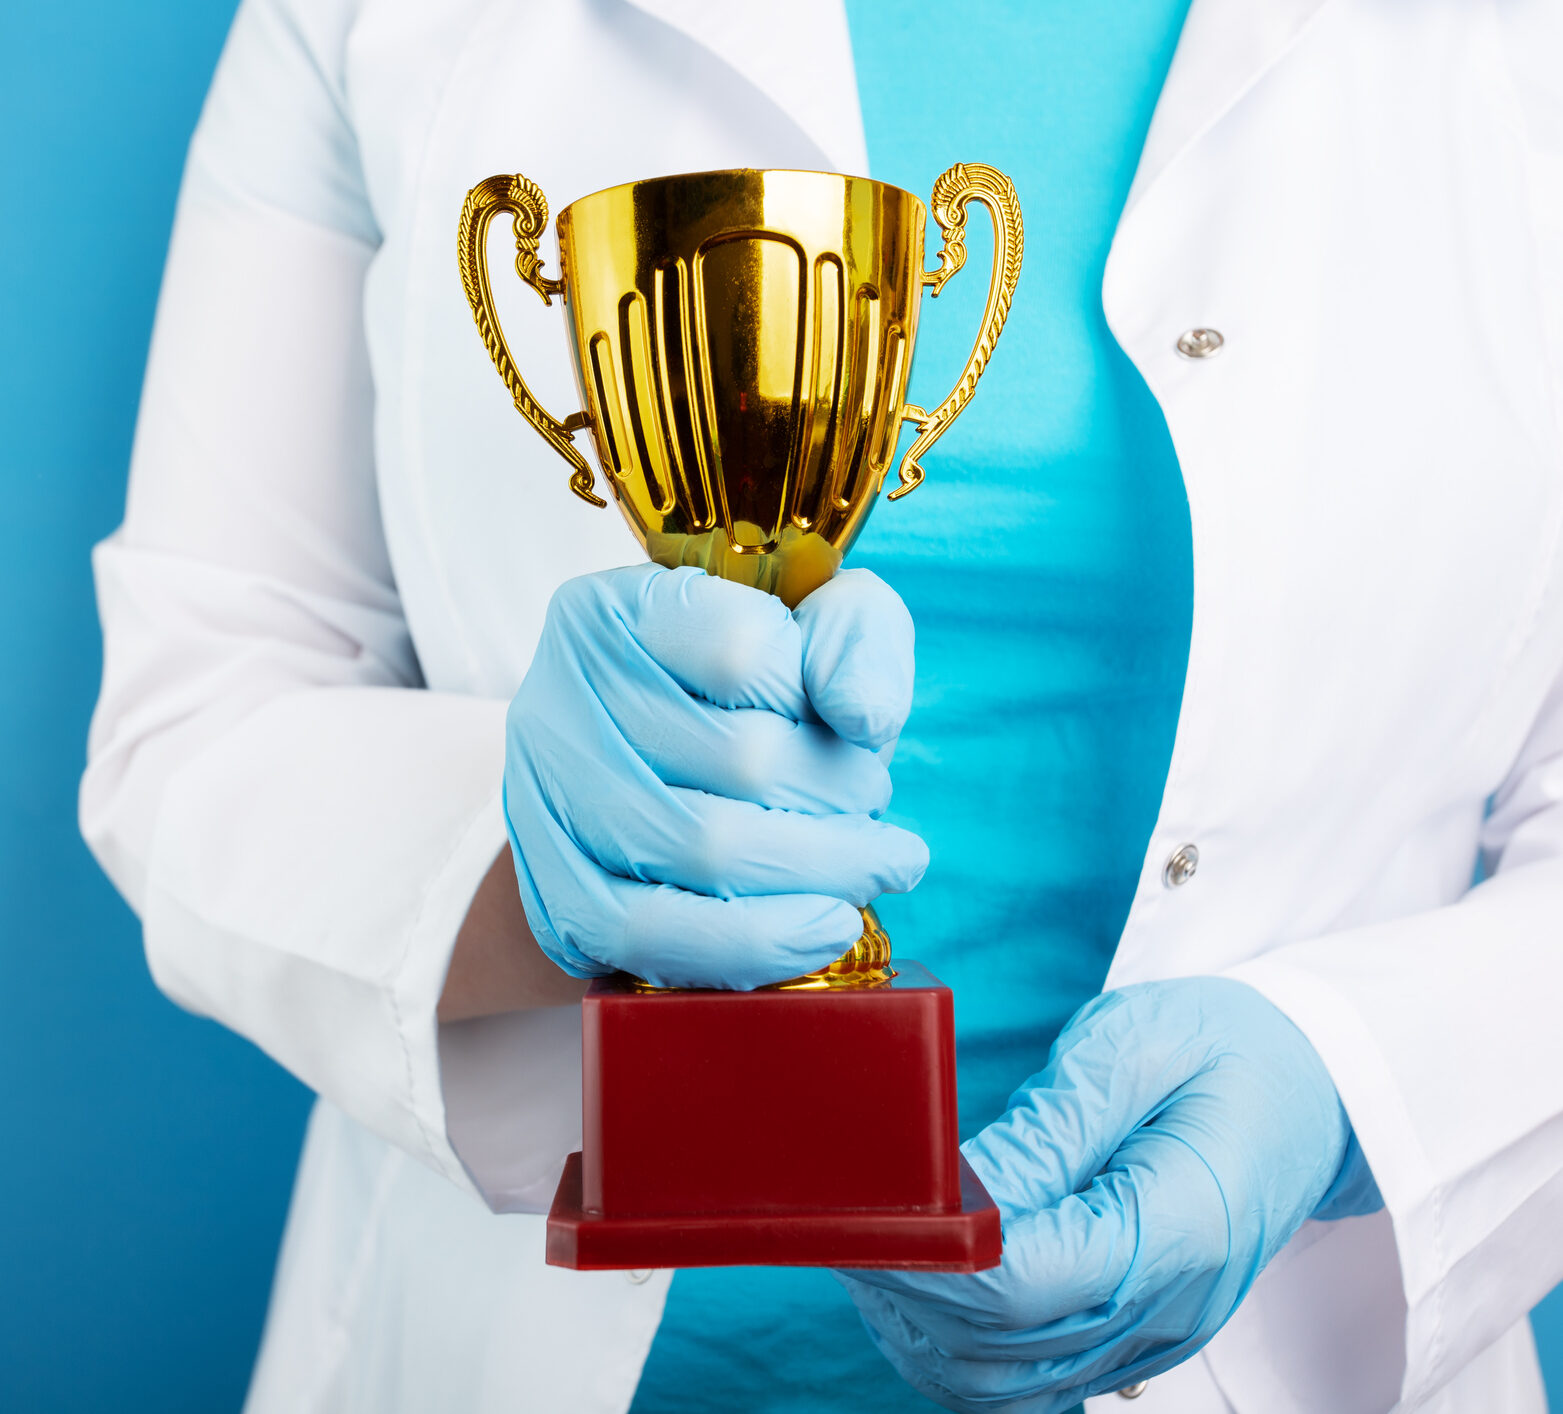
column 497, row 965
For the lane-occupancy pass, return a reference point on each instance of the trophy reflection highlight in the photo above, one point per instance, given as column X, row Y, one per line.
column 742, row 342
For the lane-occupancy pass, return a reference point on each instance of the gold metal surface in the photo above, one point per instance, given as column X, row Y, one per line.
column 963, row 183
column 742, row 342
column 865, row 963
column 525, row 203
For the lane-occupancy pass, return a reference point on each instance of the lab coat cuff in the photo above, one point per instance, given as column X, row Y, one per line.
column 415, row 993
column 321, row 924
column 1383, row 1125
column 370, row 1044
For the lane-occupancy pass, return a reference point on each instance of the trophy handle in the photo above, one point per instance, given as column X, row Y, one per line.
column 524, row 201
column 965, row 182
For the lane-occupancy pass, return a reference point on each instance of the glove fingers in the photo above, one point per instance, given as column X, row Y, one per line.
column 592, row 922
column 624, row 817
column 745, row 754
column 1132, row 1263
column 730, row 644
column 1017, row 1386
column 857, row 642
column 1065, row 1123
column 677, row 939
column 714, row 647
column 1062, row 1264
column 970, row 1386
column 752, row 755
column 724, row 848
column 1101, row 1369
column 550, row 871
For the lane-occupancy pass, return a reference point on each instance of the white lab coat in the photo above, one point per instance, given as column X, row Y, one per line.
column 340, row 540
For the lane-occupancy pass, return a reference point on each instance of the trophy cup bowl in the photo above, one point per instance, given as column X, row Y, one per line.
column 742, row 342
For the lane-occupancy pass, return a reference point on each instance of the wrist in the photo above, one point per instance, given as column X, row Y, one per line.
column 1354, row 1192
column 496, row 964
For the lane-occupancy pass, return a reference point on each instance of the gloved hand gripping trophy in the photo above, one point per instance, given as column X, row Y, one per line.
column 693, row 775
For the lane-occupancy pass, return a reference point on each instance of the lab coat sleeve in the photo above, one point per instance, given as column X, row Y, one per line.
column 1441, row 1033
column 1441, row 1030
column 299, row 823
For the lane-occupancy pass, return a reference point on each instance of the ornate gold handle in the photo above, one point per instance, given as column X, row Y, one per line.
column 965, row 182
column 526, row 204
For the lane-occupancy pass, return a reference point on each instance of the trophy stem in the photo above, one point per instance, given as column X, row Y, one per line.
column 865, row 964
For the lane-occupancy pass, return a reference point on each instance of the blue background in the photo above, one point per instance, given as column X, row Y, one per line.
column 147, row 1156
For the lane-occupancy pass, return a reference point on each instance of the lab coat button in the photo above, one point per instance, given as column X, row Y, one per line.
column 637, row 1278
column 1200, row 343
column 1180, row 866
column 1133, row 1391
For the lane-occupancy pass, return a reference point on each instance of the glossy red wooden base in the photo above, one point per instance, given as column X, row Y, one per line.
column 803, row 1128
column 966, row 1240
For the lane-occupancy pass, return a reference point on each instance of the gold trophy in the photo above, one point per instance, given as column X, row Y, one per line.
column 742, row 342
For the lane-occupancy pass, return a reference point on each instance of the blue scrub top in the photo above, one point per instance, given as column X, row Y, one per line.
column 1046, row 563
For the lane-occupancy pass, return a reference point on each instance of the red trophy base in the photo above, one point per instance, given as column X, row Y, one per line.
column 776, row 1128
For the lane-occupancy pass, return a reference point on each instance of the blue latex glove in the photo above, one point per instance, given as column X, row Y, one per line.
column 693, row 775
column 1180, row 1134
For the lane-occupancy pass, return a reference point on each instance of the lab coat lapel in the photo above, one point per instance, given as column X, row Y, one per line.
column 798, row 54
column 1225, row 48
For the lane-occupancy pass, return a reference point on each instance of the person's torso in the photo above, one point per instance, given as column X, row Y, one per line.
column 1371, row 458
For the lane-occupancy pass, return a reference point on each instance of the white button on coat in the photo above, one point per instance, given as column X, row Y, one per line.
column 1200, row 343
column 1180, row 866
